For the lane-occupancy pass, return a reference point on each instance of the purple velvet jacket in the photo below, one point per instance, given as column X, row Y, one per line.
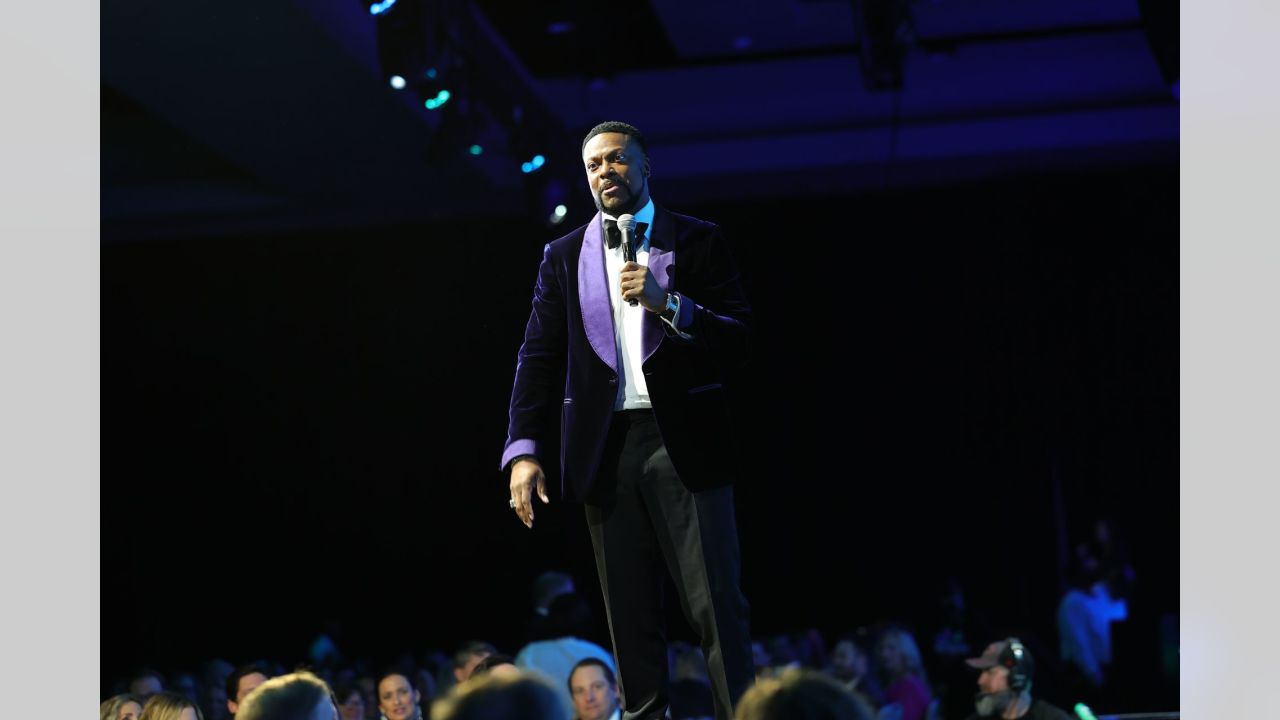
column 570, row 330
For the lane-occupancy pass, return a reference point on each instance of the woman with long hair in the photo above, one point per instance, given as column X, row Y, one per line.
column 903, row 671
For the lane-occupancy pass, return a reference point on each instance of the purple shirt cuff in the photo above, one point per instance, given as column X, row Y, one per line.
column 518, row 447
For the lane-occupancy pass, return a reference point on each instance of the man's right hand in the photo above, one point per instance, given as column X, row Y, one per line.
column 525, row 474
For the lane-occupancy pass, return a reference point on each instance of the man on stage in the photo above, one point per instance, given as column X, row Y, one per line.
column 646, row 443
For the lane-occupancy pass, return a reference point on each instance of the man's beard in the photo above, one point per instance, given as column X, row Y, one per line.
column 993, row 704
column 632, row 205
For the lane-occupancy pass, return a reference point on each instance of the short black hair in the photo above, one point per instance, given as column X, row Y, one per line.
column 608, row 672
column 614, row 126
column 233, row 680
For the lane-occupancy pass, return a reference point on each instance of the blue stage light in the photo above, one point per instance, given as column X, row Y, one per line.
column 380, row 7
column 536, row 162
column 441, row 98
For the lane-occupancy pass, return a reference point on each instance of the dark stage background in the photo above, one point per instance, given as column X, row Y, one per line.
column 304, row 428
column 965, row 281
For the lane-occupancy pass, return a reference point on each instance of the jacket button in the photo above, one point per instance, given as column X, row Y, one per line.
column 613, row 381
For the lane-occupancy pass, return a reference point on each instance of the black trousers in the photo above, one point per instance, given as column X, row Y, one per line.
column 643, row 523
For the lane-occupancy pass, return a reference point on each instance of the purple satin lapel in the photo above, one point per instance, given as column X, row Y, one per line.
column 593, row 295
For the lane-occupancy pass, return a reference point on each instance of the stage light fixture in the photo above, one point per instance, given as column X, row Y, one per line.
column 398, row 82
column 379, row 8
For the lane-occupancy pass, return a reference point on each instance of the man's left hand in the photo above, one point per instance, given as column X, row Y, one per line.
column 639, row 284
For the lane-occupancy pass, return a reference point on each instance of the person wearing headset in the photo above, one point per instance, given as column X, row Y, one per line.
column 1005, row 684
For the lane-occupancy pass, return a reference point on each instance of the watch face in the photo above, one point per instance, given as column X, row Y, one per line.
column 672, row 306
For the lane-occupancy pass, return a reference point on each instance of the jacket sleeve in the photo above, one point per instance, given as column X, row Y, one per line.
column 719, row 319
column 541, row 355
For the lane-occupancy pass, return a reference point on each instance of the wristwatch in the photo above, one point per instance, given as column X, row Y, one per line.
column 672, row 309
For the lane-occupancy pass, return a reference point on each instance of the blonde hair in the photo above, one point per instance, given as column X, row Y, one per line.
column 525, row 696
column 168, row 706
column 801, row 694
column 287, row 697
column 110, row 708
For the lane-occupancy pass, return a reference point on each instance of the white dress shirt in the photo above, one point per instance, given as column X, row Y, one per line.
column 633, row 394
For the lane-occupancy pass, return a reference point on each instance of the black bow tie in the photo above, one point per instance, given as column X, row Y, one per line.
column 613, row 236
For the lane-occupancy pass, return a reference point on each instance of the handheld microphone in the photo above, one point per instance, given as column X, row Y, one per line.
column 627, row 226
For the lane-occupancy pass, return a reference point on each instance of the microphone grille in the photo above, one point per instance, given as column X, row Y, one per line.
column 627, row 222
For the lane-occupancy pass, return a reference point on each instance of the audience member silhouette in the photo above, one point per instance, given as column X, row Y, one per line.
column 801, row 694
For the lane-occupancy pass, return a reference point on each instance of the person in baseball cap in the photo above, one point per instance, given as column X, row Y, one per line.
column 1005, row 684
